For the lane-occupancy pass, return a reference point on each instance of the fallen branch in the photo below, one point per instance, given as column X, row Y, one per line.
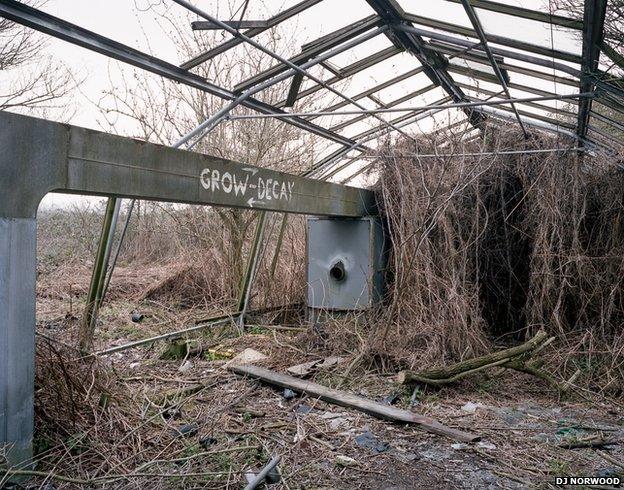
column 513, row 358
column 594, row 443
column 362, row 404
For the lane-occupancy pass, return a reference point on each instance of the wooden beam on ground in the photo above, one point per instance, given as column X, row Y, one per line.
column 343, row 399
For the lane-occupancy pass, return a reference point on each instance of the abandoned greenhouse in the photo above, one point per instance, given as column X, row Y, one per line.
column 312, row 244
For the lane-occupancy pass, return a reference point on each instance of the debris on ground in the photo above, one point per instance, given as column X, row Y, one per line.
column 362, row 404
column 307, row 368
column 248, row 356
column 369, row 441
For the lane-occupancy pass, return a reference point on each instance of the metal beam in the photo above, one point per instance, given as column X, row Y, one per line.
column 338, row 34
column 386, row 110
column 98, row 274
column 524, row 13
column 593, row 32
column 389, row 105
column 295, row 85
column 539, row 117
column 203, row 25
column 43, row 22
column 476, row 24
column 387, row 83
column 83, row 161
column 434, row 64
column 354, row 30
column 612, row 54
column 493, row 38
column 488, row 77
column 535, row 105
column 349, row 71
column 292, row 67
column 407, row 116
column 550, row 64
column 232, row 43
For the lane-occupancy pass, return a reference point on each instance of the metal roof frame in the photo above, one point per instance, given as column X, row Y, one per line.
column 405, row 36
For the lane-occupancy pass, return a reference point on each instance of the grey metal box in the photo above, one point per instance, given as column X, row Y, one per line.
column 345, row 261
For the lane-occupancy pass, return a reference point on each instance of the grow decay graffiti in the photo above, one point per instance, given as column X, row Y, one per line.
column 250, row 184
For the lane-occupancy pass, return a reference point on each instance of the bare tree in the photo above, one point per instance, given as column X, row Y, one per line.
column 163, row 112
column 614, row 18
column 30, row 79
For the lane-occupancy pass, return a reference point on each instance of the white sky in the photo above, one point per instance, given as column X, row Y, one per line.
column 138, row 23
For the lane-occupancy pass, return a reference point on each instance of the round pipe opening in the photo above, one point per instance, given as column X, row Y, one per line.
column 337, row 271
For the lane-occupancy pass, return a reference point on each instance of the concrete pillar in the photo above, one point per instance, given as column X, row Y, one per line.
column 17, row 337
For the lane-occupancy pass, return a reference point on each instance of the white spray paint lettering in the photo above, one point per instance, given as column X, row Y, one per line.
column 266, row 189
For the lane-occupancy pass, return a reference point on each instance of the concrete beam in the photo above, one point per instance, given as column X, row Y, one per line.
column 40, row 156
column 82, row 161
column 17, row 338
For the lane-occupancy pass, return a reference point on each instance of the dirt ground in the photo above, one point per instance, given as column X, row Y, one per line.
column 208, row 437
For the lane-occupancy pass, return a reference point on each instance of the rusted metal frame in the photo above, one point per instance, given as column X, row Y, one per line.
column 525, row 13
column 489, row 78
column 377, row 88
column 349, row 71
column 535, row 105
column 371, row 134
column 607, row 120
column 540, row 123
column 539, row 117
column 563, row 124
column 405, row 117
column 612, row 54
column 98, row 274
column 411, row 108
column 338, row 33
column 295, row 85
column 202, row 25
column 544, row 62
column 357, row 29
column 293, row 93
column 447, row 49
column 476, row 24
column 232, row 43
column 434, row 64
column 593, row 31
column 330, row 67
column 407, row 123
column 59, row 28
column 389, row 105
column 292, row 67
column 570, row 127
column 493, row 38
column 595, row 76
column 466, row 53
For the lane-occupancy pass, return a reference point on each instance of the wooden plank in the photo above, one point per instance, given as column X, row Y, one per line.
column 362, row 404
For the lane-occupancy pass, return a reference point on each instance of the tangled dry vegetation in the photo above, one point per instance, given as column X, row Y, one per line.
column 497, row 247
column 486, row 251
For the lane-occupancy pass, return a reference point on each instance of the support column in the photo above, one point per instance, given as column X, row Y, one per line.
column 17, row 337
